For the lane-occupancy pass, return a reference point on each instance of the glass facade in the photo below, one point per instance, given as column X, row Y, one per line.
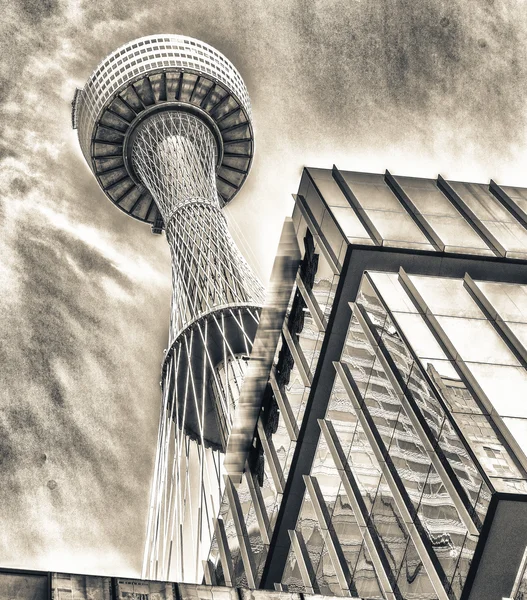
column 424, row 427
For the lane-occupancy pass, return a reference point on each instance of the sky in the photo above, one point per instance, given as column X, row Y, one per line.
column 417, row 87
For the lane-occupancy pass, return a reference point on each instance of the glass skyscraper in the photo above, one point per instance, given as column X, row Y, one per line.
column 389, row 455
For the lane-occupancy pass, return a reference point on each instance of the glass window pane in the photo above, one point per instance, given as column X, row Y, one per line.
column 509, row 299
column 518, row 429
column 325, row 284
column 328, row 187
column 477, row 341
column 419, row 336
column 510, row 486
column 459, row 578
column 413, row 581
column 517, row 195
column 505, row 387
column 392, row 292
column 351, row 225
column 481, row 201
column 488, row 448
column 291, row 576
column 441, row 523
column 458, row 235
column 520, row 331
column 365, row 578
column 443, row 368
column 373, row 193
column 309, row 339
column 427, row 197
column 512, row 236
column 130, row 588
column 332, row 234
column 358, row 355
column 314, row 538
column 365, row 467
column 445, row 296
column 20, row 586
column 390, row 527
column 314, row 202
column 398, row 227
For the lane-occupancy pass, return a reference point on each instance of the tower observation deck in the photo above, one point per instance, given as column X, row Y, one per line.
column 164, row 123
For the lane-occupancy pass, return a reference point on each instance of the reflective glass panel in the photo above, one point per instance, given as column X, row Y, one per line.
column 453, row 391
column 477, row 341
column 358, row 355
column 447, row 297
column 390, row 527
column 351, row 225
column 459, row 577
column 481, row 201
column 518, row 429
column 314, row 538
column 365, row 467
column 325, row 283
column 130, row 589
column 21, row 586
column 487, row 446
column 517, row 195
column 392, row 292
column 328, row 187
column 291, row 576
column 441, row 523
column 413, row 580
column 458, row 236
column 309, row 339
column 364, row 578
column 509, row 299
column 504, row 386
column 332, row 234
column 346, row 529
column 419, row 336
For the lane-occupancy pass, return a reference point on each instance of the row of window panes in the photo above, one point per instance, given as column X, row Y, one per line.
column 504, row 385
column 214, row 69
column 346, row 410
column 397, row 228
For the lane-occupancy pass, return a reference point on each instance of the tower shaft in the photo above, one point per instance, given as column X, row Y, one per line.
column 215, row 309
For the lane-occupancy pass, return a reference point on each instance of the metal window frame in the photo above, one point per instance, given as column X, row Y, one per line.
column 508, row 203
column 303, row 561
column 272, row 458
column 241, row 533
column 225, row 552
column 361, row 213
column 332, row 543
column 312, row 304
column 285, row 407
column 439, row 399
column 468, row 214
column 259, row 506
column 418, row 218
column 298, row 356
column 503, row 329
column 422, row 434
